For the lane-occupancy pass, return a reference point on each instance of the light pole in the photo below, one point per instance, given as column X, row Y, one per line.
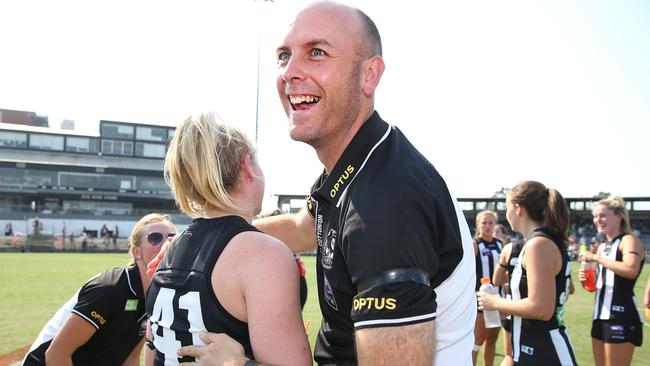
column 257, row 86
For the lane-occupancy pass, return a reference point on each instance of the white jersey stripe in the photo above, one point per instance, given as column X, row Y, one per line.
column 394, row 321
column 485, row 262
column 364, row 163
column 85, row 317
column 516, row 295
column 608, row 286
column 560, row 344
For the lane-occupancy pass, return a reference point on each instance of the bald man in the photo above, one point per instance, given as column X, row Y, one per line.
column 395, row 259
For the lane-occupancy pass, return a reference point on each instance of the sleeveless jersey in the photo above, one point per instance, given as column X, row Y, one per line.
column 542, row 342
column 615, row 294
column 180, row 299
column 487, row 259
column 515, row 249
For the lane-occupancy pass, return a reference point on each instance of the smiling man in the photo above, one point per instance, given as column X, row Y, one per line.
column 395, row 260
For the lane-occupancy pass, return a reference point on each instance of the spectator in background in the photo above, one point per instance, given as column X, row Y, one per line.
column 540, row 281
column 36, row 224
column 116, row 234
column 104, row 322
column 9, row 231
column 103, row 233
column 500, row 233
column 617, row 327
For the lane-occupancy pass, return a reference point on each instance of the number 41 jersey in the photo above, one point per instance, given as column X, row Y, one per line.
column 180, row 300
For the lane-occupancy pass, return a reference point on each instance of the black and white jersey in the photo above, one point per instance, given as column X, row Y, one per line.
column 389, row 232
column 542, row 342
column 515, row 249
column 487, row 259
column 113, row 302
column 180, row 299
column 615, row 294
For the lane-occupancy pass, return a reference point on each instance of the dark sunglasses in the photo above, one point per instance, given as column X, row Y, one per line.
column 156, row 238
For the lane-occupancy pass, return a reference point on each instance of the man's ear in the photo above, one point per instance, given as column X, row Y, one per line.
column 373, row 69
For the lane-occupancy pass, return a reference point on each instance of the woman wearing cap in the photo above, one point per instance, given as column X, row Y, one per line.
column 221, row 274
column 105, row 321
column 616, row 328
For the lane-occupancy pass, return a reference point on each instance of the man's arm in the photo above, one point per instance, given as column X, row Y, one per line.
column 402, row 345
column 296, row 230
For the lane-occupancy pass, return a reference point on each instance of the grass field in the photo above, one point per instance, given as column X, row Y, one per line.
column 35, row 285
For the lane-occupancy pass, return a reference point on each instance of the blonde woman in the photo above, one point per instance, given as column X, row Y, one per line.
column 104, row 322
column 221, row 274
column 540, row 280
column 487, row 249
column 617, row 327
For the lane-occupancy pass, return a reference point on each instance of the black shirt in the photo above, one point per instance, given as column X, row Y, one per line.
column 113, row 302
column 180, row 299
column 383, row 207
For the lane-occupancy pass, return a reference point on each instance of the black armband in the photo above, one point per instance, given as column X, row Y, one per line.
column 503, row 265
column 251, row 363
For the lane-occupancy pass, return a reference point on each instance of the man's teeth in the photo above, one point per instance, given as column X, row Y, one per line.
column 303, row 99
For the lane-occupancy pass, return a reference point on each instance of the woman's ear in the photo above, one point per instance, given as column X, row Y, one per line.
column 137, row 252
column 247, row 168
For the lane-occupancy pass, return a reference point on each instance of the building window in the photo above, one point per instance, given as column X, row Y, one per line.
column 112, row 147
column 96, row 181
column 117, row 131
column 149, row 150
column 13, row 139
column 45, row 142
column 151, row 184
column 151, row 134
column 82, row 144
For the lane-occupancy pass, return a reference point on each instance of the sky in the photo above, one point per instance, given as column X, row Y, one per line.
column 492, row 93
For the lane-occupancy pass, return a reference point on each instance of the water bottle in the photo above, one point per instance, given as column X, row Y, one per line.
column 491, row 317
column 589, row 269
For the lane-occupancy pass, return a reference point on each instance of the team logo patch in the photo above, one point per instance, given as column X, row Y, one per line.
column 617, row 332
column 527, row 350
column 327, row 249
column 329, row 294
column 619, row 309
column 485, row 252
column 131, row 305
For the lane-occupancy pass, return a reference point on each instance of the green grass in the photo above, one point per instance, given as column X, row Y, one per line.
column 35, row 285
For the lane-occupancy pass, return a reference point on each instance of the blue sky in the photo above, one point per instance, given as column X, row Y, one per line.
column 491, row 92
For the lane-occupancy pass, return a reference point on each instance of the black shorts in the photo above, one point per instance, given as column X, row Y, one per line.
column 617, row 331
column 506, row 323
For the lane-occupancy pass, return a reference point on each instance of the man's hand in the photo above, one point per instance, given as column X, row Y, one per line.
column 219, row 350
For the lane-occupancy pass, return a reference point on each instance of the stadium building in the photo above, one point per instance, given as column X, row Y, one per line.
column 61, row 185
column 62, row 182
